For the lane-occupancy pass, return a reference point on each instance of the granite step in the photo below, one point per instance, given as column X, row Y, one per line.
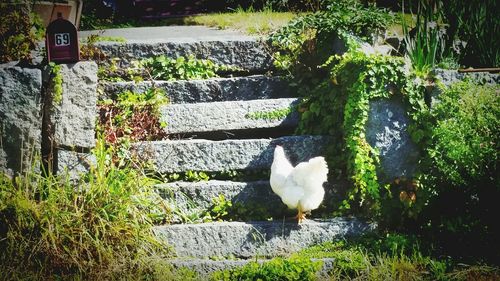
column 256, row 239
column 230, row 115
column 208, row 90
column 225, row 48
column 172, row 156
column 197, row 197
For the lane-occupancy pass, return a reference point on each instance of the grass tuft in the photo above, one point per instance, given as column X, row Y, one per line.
column 249, row 21
column 51, row 226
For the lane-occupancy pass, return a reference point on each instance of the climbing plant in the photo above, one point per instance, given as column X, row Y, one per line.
column 340, row 105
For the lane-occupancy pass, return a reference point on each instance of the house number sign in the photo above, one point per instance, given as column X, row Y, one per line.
column 62, row 39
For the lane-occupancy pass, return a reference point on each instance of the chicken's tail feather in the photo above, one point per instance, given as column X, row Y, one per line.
column 312, row 174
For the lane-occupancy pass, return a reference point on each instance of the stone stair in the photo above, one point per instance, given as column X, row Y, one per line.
column 227, row 124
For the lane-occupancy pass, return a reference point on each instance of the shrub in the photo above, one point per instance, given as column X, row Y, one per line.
column 460, row 175
column 308, row 41
column 20, row 31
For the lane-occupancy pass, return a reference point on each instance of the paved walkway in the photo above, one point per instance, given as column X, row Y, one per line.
column 169, row 34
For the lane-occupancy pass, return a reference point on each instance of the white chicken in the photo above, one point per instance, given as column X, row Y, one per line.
column 299, row 187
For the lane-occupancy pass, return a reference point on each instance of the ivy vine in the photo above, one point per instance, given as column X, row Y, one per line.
column 340, row 106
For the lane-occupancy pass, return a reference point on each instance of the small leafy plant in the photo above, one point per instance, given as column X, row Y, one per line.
column 271, row 115
column 20, row 31
column 182, row 68
column 294, row 268
column 133, row 115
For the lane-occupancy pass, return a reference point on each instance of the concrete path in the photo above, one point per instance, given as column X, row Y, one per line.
column 170, row 34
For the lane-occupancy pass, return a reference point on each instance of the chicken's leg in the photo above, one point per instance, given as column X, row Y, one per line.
column 300, row 216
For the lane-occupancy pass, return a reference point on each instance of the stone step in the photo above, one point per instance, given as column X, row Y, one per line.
column 209, row 90
column 229, row 115
column 196, row 197
column 205, row 267
column 245, row 52
column 255, row 239
column 171, row 156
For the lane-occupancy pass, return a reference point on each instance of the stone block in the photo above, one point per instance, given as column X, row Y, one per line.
column 74, row 119
column 251, row 239
column 20, row 117
column 448, row 77
column 387, row 131
column 229, row 115
column 203, row 155
column 196, row 197
column 209, row 90
column 74, row 164
column 243, row 52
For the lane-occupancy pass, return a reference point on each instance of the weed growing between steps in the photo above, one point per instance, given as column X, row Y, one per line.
column 90, row 228
column 133, row 117
column 277, row 114
column 225, row 210
column 229, row 175
column 164, row 68
column 295, row 268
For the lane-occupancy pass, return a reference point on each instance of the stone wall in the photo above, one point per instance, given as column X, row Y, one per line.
column 22, row 119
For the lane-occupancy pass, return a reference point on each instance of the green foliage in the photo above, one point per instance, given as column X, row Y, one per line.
column 293, row 268
column 374, row 257
column 90, row 51
column 163, row 68
column 426, row 46
column 182, row 68
column 118, row 39
column 248, row 20
column 219, row 210
column 133, row 116
column 56, row 83
column 20, row 31
column 460, row 169
column 465, row 140
column 52, row 225
column 477, row 24
column 341, row 104
column 271, row 115
column 309, row 39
